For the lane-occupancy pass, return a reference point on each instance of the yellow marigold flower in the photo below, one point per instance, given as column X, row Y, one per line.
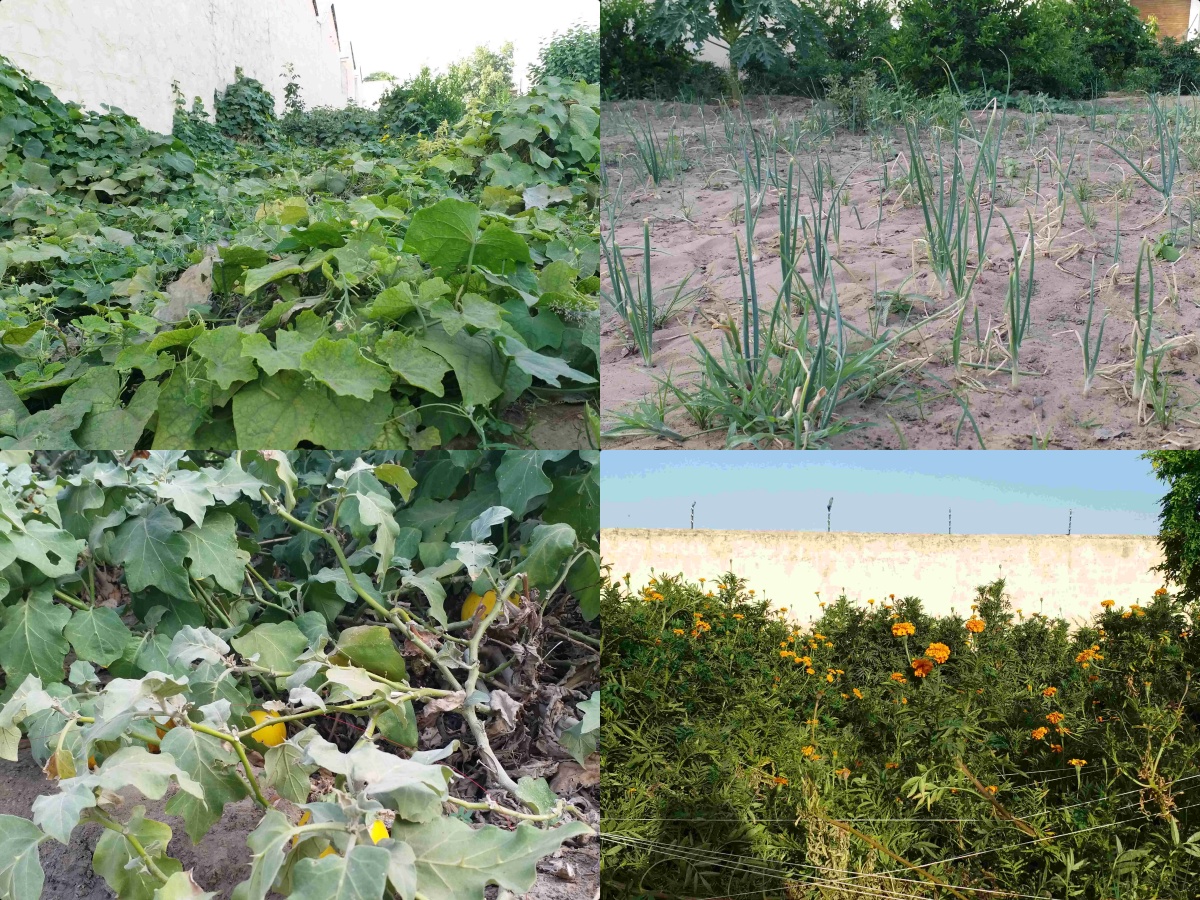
column 808, row 750
column 922, row 667
column 871, row 601
column 1160, row 592
column 829, row 678
column 702, row 580
column 1039, row 733
column 1077, row 762
column 751, row 592
column 1054, row 718
column 1108, row 604
column 678, row 630
column 991, row 789
column 811, row 671
column 899, row 678
column 903, row 629
column 904, row 700
column 939, row 653
column 843, row 772
column 1050, row 692
column 975, row 625
column 738, row 616
column 891, row 765
column 858, row 693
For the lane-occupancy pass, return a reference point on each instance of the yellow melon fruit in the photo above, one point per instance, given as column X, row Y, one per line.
column 271, row 735
column 475, row 602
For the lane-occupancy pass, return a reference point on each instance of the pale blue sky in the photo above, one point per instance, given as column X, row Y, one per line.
column 991, row 492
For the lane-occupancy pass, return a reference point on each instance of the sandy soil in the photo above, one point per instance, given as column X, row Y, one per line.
column 222, row 859
column 693, row 223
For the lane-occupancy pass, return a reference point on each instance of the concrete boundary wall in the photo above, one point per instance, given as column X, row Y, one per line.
column 126, row 53
column 1054, row 574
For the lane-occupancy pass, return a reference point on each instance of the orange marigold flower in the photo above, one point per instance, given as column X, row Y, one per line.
column 899, row 678
column 891, row 765
column 922, row 667
column 678, row 630
column 975, row 625
column 780, row 780
column 1108, row 604
column 1050, row 692
column 939, row 653
column 1039, row 733
column 903, row 629
column 991, row 789
column 1057, row 748
column 1160, row 592
column 1077, row 762
column 858, row 693
column 1054, row 718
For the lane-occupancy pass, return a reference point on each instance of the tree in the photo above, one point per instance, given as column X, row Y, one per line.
column 1179, row 518
column 574, row 56
column 484, row 77
column 748, row 29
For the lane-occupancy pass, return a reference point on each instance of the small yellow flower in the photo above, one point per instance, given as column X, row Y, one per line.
column 1108, row 604
column 678, row 630
column 899, row 678
column 1077, row 762
column 858, row 693
column 991, row 789
column 808, row 750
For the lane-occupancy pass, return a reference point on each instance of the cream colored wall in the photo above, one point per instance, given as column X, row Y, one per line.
column 126, row 53
column 1057, row 575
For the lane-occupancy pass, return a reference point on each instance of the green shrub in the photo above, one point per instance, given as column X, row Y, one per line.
column 192, row 126
column 246, row 111
column 728, row 728
column 859, row 101
column 1113, row 38
column 421, row 104
column 572, row 56
column 326, row 126
column 1178, row 65
column 634, row 62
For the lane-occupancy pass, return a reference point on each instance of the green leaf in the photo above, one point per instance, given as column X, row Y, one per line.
column 214, row 766
column 575, row 500
column 341, row 366
column 443, row 234
column 399, row 725
column 222, row 349
column 371, row 647
column 150, row 773
column 360, row 875
column 474, row 362
column 499, row 245
column 583, row 581
column 98, row 635
column 457, row 862
column 398, row 477
column 287, row 773
column 32, row 638
column 288, row 352
column 181, row 886
column 548, row 368
column 277, row 646
column 412, row 362
column 152, row 551
column 279, row 412
column 213, row 551
column 257, row 278
column 114, row 858
column 550, row 546
column 269, row 843
column 58, row 814
column 522, row 480
column 21, row 875
column 50, row 550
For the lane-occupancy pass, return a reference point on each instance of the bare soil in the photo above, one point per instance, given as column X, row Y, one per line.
column 695, row 216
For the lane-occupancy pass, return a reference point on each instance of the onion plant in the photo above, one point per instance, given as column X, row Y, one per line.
column 1143, row 317
column 1166, row 136
column 1091, row 353
column 1018, row 299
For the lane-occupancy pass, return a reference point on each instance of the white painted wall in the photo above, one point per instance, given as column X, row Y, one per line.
column 1053, row 574
column 126, row 53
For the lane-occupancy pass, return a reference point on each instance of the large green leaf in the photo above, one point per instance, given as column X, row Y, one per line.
column 213, row 551
column 550, row 546
column 341, row 367
column 275, row 644
column 548, row 368
column 181, row 886
column 214, row 766
column 97, row 635
column 222, row 349
column 457, row 862
column 475, row 363
column 114, row 858
column 152, row 550
column 522, row 480
column 372, row 648
column 269, row 843
column 360, row 875
column 31, row 641
column 281, row 411
column 443, row 234
column 50, row 550
column 21, row 875
column 414, row 363
column 287, row 773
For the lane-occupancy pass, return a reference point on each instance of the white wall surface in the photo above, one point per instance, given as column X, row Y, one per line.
column 126, row 53
column 1052, row 574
